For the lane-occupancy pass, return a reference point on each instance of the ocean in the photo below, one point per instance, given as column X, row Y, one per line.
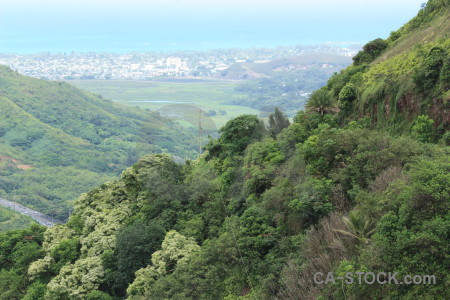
column 28, row 26
column 38, row 42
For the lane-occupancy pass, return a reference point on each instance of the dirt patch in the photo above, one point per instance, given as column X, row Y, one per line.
column 24, row 167
column 9, row 162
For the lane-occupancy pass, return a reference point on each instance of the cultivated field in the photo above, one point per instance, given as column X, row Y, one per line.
column 179, row 99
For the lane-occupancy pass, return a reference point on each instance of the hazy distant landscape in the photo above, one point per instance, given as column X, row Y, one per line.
column 224, row 83
column 224, row 150
column 168, row 97
column 217, row 63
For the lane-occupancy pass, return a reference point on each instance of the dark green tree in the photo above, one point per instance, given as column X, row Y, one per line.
column 236, row 135
column 65, row 252
column 277, row 122
column 135, row 246
column 347, row 96
column 428, row 73
column 98, row 295
column 370, row 51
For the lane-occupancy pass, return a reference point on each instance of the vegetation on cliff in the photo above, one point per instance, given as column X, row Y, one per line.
column 360, row 182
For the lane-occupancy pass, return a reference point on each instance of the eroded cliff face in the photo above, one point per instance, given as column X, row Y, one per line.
column 439, row 111
column 407, row 76
column 409, row 107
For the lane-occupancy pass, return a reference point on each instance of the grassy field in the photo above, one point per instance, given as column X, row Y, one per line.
column 179, row 99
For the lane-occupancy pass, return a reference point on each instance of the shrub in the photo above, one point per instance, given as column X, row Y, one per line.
column 347, row 96
column 370, row 51
column 235, row 136
column 98, row 295
column 427, row 74
column 423, row 129
column 446, row 138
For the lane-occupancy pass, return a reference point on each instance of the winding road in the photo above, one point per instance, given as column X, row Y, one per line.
column 37, row 216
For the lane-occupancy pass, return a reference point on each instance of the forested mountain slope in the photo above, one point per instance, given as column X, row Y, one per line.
column 345, row 188
column 393, row 81
column 57, row 140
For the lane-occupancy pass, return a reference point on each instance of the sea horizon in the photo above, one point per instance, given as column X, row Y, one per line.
column 37, row 45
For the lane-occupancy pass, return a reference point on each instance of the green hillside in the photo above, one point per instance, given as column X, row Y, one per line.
column 58, row 141
column 10, row 220
column 393, row 81
column 274, row 212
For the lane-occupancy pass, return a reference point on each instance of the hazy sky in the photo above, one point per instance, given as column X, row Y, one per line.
column 51, row 25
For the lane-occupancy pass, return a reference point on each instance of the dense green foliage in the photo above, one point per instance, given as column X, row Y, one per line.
column 277, row 122
column 135, row 245
column 398, row 90
column 57, row 141
column 10, row 220
column 235, row 136
column 258, row 214
column 253, row 224
column 370, row 51
column 18, row 248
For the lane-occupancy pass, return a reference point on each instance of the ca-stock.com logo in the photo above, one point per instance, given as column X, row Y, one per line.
column 372, row 278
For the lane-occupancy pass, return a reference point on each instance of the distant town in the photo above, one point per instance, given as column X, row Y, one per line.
column 147, row 66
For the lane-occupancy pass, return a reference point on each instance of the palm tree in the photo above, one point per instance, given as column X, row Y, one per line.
column 360, row 227
column 322, row 102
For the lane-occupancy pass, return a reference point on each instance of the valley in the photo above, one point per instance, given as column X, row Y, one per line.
column 214, row 189
column 179, row 99
column 35, row 215
column 57, row 141
column 12, row 220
